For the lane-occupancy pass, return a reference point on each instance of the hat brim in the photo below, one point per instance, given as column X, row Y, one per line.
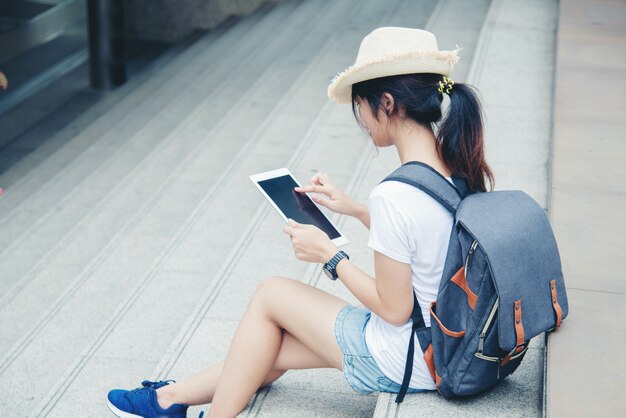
column 433, row 62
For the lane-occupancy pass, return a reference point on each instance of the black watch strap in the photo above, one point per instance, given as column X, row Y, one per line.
column 330, row 268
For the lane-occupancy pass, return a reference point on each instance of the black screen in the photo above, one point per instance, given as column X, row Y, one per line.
column 297, row 206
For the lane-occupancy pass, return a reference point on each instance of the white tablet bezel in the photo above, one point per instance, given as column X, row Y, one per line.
column 280, row 172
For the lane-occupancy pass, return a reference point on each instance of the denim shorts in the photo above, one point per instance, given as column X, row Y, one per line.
column 359, row 368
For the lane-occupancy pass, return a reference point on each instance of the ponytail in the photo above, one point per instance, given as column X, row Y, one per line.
column 460, row 138
column 460, row 134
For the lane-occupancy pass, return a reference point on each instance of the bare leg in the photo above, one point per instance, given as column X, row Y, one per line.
column 200, row 388
column 288, row 325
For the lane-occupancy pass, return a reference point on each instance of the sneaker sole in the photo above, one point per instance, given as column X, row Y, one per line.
column 119, row 413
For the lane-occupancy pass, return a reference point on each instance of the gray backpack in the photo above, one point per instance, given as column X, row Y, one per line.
column 502, row 285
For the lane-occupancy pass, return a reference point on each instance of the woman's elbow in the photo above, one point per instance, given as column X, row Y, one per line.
column 397, row 317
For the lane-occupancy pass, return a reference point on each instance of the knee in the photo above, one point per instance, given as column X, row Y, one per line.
column 271, row 285
column 269, row 289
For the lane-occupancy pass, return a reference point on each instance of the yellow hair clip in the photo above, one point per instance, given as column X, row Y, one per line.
column 445, row 85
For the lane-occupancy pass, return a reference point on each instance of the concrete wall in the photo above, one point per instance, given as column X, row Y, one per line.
column 170, row 20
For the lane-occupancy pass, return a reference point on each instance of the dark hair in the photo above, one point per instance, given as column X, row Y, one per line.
column 460, row 134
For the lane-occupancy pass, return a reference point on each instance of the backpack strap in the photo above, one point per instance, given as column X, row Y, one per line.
column 427, row 179
column 418, row 322
column 449, row 195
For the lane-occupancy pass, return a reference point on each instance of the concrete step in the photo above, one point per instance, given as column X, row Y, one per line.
column 125, row 134
column 72, row 241
column 516, row 55
column 237, row 130
column 74, row 137
column 584, row 373
column 508, row 43
column 274, row 143
column 113, row 205
column 104, row 128
column 34, row 121
column 55, row 169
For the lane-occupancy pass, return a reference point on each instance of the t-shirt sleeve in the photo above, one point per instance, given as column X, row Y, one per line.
column 389, row 233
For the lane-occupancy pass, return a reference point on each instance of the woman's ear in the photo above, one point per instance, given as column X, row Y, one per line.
column 388, row 103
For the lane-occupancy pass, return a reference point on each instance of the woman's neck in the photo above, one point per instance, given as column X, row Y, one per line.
column 416, row 142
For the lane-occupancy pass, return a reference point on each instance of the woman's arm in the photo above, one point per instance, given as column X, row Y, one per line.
column 389, row 295
column 362, row 213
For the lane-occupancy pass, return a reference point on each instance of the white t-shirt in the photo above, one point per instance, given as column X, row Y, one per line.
column 411, row 227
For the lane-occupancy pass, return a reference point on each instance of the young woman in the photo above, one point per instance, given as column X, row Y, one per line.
column 396, row 88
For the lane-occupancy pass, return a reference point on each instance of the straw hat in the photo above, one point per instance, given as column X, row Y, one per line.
column 392, row 51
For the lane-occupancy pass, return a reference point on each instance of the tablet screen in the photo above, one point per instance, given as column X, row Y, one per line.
column 297, row 206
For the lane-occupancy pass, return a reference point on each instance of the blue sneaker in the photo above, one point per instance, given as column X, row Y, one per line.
column 142, row 402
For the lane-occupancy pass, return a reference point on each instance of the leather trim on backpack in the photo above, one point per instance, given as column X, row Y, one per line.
column 555, row 303
column 519, row 333
column 430, row 361
column 455, row 334
column 519, row 326
column 460, row 280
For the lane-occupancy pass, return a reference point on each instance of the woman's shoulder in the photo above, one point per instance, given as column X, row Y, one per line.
column 406, row 198
column 399, row 193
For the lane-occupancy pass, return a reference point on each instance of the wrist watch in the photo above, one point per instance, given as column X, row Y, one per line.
column 330, row 268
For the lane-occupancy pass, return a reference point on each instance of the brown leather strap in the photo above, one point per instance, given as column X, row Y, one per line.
column 519, row 327
column 433, row 315
column 430, row 361
column 519, row 333
column 460, row 280
column 555, row 303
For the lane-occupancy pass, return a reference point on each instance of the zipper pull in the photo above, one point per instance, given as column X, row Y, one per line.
column 481, row 343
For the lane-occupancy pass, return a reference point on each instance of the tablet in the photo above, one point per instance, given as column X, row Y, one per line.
column 278, row 187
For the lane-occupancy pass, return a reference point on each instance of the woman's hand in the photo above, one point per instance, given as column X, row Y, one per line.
column 335, row 200
column 310, row 243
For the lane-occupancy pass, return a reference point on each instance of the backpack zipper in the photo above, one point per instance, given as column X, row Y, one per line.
column 468, row 259
column 481, row 338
